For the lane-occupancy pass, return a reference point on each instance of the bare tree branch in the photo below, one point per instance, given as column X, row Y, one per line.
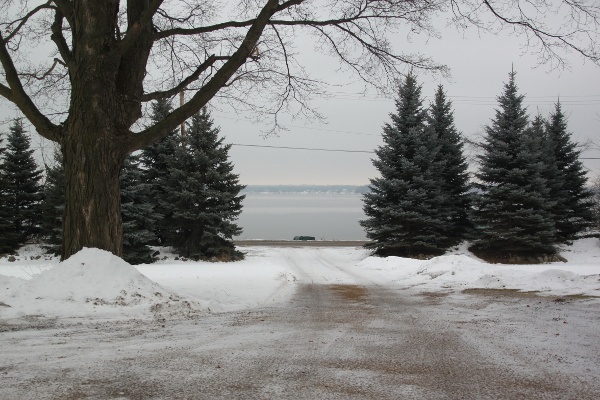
column 45, row 74
column 542, row 35
column 225, row 25
column 58, row 38
column 137, row 27
column 66, row 9
column 185, row 82
column 355, row 32
column 18, row 96
column 202, row 29
column 220, row 79
column 22, row 21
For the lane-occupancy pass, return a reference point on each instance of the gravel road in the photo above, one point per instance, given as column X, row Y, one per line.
column 361, row 340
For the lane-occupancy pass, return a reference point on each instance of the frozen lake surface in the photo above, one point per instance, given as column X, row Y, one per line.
column 285, row 215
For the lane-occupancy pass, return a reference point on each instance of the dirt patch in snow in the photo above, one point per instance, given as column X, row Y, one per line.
column 352, row 293
column 516, row 293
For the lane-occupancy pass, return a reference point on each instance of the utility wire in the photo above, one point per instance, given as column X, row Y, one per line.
column 338, row 150
column 301, row 126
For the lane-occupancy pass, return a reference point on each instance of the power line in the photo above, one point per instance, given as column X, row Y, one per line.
column 338, row 150
column 385, row 96
column 571, row 100
column 301, row 126
column 302, row 148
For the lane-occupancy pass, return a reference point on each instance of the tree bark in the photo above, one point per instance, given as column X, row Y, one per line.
column 93, row 203
column 94, row 148
column 95, row 133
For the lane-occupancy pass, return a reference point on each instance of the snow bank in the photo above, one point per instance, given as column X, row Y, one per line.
column 96, row 284
column 261, row 279
column 580, row 275
column 90, row 283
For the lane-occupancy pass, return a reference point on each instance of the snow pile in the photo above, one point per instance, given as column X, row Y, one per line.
column 456, row 271
column 92, row 282
column 583, row 251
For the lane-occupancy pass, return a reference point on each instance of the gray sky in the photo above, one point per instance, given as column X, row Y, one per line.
column 479, row 67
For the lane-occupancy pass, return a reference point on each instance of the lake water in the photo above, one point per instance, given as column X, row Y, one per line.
column 282, row 216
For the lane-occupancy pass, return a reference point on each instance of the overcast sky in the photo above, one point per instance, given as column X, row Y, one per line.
column 479, row 67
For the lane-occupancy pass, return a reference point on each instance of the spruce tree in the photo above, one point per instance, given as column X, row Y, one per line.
column 204, row 195
column 24, row 189
column 573, row 210
column 53, row 205
column 550, row 173
column 513, row 213
column 596, row 205
column 454, row 175
column 137, row 211
column 8, row 236
column 404, row 208
column 156, row 160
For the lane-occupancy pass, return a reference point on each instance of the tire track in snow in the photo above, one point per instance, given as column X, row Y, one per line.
column 316, row 266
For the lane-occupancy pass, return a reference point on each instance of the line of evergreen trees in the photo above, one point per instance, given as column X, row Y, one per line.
column 529, row 196
column 178, row 192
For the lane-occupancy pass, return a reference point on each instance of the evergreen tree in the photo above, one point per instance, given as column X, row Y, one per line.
column 596, row 205
column 53, row 205
column 573, row 210
column 404, row 208
column 454, row 175
column 550, row 173
column 204, row 195
column 24, row 190
column 156, row 160
column 513, row 213
column 8, row 236
column 139, row 217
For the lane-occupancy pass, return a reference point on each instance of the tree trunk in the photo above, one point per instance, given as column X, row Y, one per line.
column 95, row 133
column 94, row 149
column 92, row 215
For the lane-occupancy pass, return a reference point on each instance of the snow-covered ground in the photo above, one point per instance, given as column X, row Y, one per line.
column 96, row 285
column 299, row 323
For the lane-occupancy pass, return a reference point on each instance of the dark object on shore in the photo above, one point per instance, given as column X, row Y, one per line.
column 304, row 238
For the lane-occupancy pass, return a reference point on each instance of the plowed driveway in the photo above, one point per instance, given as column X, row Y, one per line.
column 353, row 340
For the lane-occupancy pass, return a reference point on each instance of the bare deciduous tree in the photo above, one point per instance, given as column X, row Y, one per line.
column 110, row 57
